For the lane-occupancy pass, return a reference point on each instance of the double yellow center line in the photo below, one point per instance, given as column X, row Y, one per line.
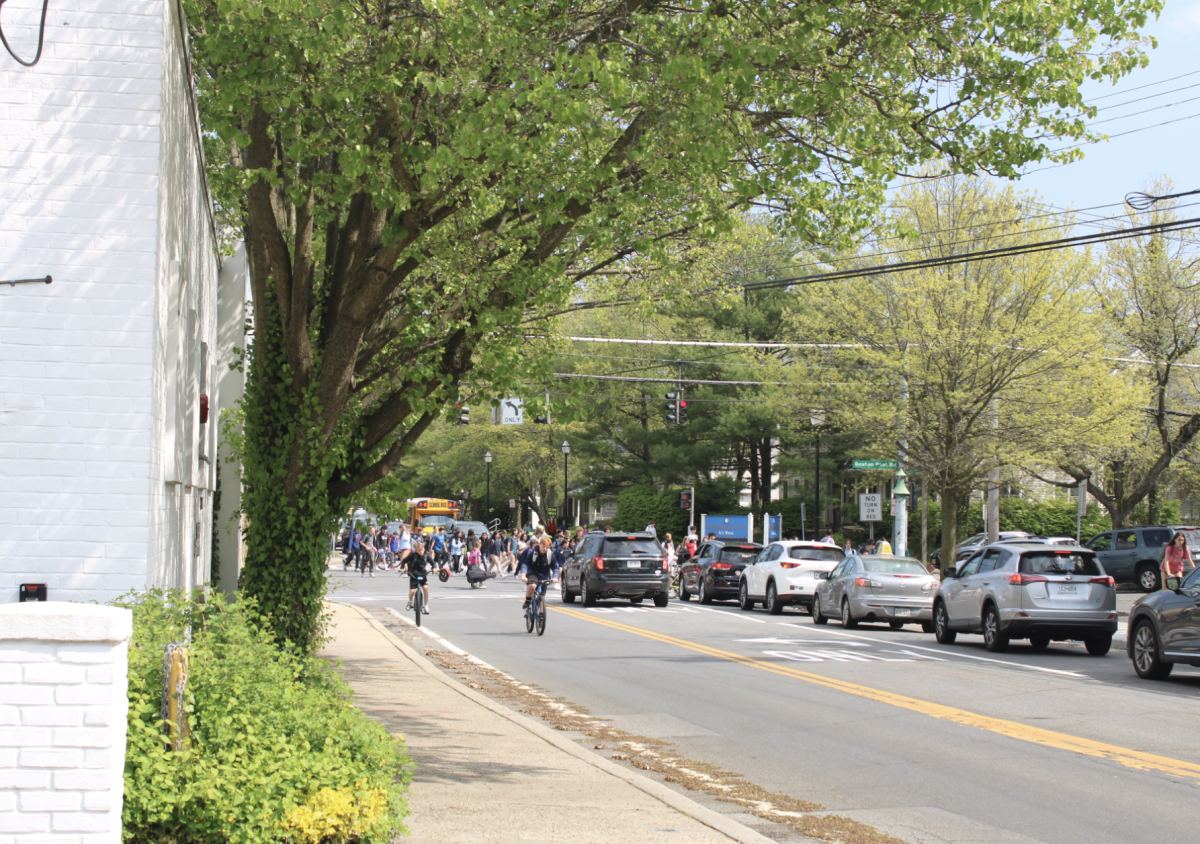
column 1135, row 759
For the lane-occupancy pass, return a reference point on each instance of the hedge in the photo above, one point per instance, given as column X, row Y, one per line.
column 275, row 753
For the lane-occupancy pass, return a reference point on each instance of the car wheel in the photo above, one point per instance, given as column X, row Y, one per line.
column 848, row 620
column 773, row 604
column 1039, row 643
column 895, row 625
column 684, row 595
column 704, row 597
column 818, row 617
column 1146, row 661
column 661, row 600
column 568, row 597
column 993, row 639
column 1099, row 644
column 744, row 598
column 1147, row 578
column 941, row 626
column 926, row 626
column 585, row 595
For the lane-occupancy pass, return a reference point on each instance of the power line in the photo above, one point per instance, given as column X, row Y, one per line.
column 656, row 398
column 981, row 255
column 41, row 37
column 692, row 381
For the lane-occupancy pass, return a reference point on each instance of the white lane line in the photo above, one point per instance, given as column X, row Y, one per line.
column 742, row 616
column 445, row 643
column 945, row 653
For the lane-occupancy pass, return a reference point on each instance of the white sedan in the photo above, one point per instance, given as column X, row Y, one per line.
column 786, row 573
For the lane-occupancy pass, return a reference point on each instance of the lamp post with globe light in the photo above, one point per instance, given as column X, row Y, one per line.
column 566, row 450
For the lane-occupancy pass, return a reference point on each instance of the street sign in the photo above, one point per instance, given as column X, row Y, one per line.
column 870, row 507
column 774, row 528
column 552, row 512
column 875, row 464
column 729, row 527
column 512, row 412
column 512, row 502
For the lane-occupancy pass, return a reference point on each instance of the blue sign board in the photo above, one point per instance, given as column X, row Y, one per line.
column 728, row 527
column 774, row 528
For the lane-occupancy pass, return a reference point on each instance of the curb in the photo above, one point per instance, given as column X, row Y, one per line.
column 685, row 805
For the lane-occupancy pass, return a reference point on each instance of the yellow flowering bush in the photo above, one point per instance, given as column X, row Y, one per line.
column 335, row 816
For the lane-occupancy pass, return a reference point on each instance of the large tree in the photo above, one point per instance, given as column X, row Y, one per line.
column 1149, row 298
column 420, row 182
column 964, row 367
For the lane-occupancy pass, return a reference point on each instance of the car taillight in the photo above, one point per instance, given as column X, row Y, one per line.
column 862, row 581
column 599, row 561
column 666, row 566
column 721, row 566
column 789, row 565
column 1106, row 581
column 930, row 586
column 1022, row 579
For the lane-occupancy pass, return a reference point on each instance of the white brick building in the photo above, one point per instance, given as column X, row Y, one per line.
column 106, row 474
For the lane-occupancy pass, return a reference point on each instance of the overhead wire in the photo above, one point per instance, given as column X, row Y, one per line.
column 41, row 37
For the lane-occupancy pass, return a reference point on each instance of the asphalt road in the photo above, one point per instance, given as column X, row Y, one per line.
column 927, row 742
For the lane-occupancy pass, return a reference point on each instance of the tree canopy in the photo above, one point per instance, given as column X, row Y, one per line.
column 422, row 184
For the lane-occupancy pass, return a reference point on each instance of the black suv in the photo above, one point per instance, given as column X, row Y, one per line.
column 716, row 570
column 617, row 565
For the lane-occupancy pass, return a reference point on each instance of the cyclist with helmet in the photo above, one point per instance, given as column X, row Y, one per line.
column 417, row 565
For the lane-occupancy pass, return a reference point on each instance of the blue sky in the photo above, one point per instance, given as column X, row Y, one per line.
column 1114, row 168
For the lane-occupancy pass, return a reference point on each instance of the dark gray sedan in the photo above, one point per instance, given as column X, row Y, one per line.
column 1164, row 629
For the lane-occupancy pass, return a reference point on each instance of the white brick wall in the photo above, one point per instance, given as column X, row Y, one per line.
column 101, row 187
column 63, row 707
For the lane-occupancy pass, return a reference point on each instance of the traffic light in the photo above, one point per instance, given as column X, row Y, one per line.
column 681, row 416
column 672, row 408
column 464, row 414
column 685, row 500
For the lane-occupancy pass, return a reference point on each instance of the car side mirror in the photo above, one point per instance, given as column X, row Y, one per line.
column 824, row 575
column 949, row 572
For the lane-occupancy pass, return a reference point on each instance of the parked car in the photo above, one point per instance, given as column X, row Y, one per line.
column 1031, row 591
column 715, row 573
column 1132, row 553
column 1164, row 629
column 972, row 544
column 786, row 574
column 870, row 588
column 466, row 527
column 612, row 565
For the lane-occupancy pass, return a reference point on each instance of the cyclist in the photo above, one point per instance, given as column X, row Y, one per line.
column 536, row 564
column 417, row 567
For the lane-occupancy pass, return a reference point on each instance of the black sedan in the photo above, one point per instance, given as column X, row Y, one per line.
column 1164, row 629
column 715, row 572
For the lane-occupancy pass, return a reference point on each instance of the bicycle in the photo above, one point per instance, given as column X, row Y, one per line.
column 419, row 598
column 535, row 613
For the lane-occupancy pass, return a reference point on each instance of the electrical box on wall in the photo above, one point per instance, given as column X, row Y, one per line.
column 32, row 592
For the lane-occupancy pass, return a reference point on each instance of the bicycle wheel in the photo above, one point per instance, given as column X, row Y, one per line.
column 419, row 603
column 541, row 615
column 529, row 611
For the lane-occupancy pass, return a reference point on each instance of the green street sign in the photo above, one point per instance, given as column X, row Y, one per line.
column 552, row 512
column 875, row 464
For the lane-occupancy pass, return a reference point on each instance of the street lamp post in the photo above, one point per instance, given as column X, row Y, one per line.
column 487, row 458
column 817, row 418
column 900, row 493
column 566, row 450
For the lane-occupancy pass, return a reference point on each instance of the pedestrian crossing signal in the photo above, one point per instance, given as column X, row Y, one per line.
column 464, row 414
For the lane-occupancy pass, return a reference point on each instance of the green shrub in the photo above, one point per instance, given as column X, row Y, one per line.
column 273, row 738
column 640, row 505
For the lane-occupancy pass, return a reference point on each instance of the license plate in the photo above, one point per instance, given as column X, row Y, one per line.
column 632, row 564
column 903, row 611
column 1068, row 588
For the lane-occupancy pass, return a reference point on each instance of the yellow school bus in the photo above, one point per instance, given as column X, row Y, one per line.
column 425, row 515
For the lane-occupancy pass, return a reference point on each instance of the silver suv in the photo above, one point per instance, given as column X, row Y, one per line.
column 1028, row 591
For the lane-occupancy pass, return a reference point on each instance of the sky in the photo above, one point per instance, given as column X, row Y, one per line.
column 1121, row 165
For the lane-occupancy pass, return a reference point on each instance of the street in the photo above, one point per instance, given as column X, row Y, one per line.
column 926, row 742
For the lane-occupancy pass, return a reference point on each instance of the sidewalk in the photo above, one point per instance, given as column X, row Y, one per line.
column 485, row 773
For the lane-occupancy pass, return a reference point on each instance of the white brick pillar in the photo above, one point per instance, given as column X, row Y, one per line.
column 63, row 705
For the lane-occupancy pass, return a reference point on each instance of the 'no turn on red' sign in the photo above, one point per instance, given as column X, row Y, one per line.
column 870, row 507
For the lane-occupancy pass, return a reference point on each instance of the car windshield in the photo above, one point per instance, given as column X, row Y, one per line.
column 1059, row 562
column 738, row 555
column 974, row 540
column 437, row 521
column 1192, row 534
column 893, row 565
column 825, row 555
column 1192, row 581
column 631, row 548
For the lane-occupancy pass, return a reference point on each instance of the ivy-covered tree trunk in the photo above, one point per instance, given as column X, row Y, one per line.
column 949, row 498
